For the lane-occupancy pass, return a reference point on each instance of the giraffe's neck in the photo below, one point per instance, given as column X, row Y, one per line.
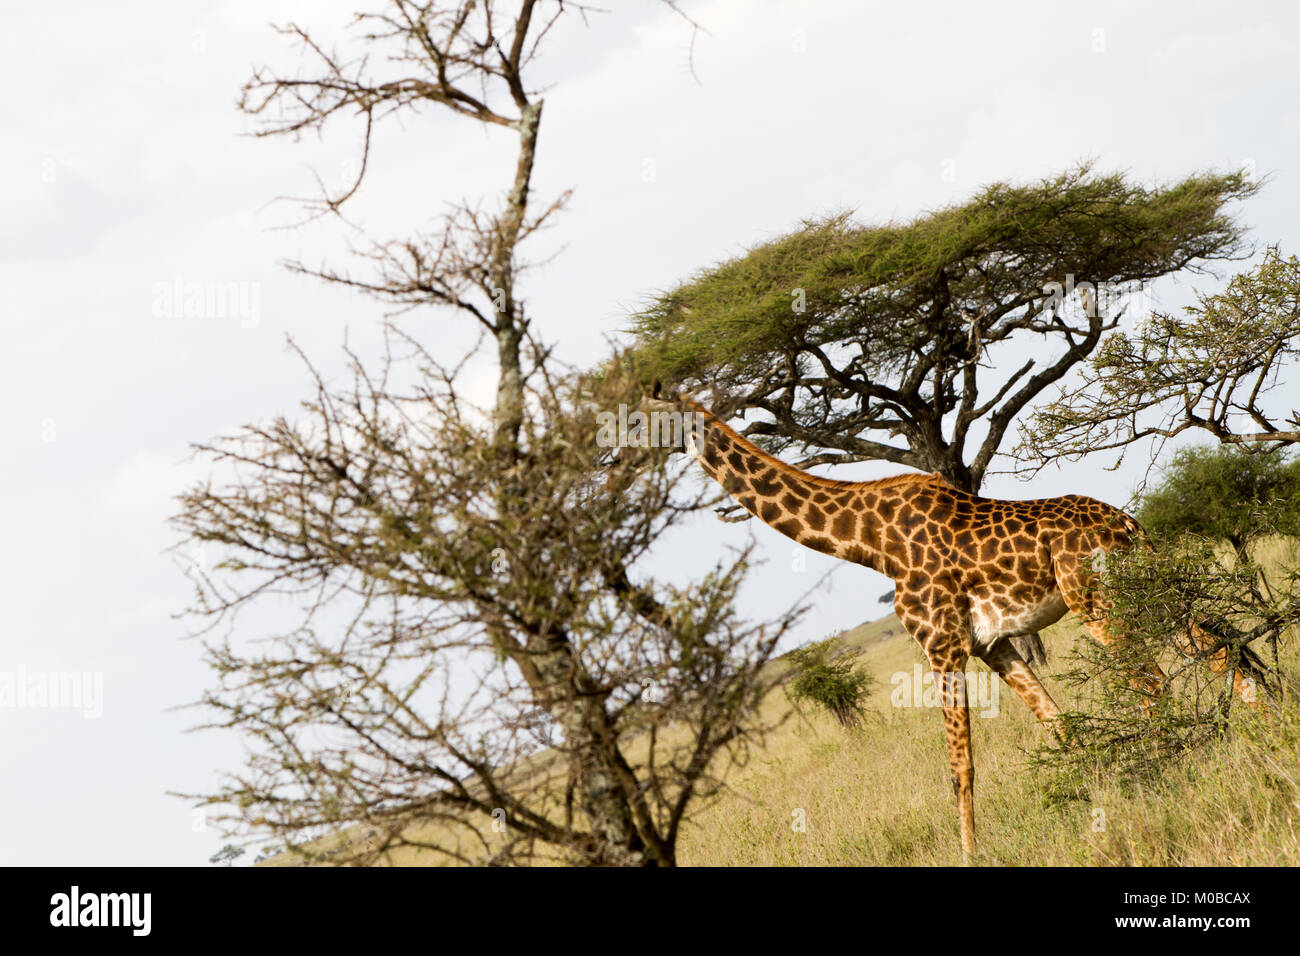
column 835, row 517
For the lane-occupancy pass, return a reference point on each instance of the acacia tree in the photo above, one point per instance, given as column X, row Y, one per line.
column 857, row 343
column 469, row 680
column 1214, row 369
column 480, row 667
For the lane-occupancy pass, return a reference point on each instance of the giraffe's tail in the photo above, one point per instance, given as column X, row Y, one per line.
column 1030, row 647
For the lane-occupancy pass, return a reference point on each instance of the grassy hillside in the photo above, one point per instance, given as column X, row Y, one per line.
column 881, row 796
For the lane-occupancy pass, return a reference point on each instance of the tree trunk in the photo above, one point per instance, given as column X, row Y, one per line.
column 552, row 668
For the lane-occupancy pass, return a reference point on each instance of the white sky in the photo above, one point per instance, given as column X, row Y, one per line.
column 122, row 166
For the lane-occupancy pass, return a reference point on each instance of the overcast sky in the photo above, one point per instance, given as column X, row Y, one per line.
column 123, row 171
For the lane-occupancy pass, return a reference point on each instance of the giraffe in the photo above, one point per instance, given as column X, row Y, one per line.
column 974, row 576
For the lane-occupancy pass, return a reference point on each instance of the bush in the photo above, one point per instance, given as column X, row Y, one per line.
column 832, row 684
column 1123, row 728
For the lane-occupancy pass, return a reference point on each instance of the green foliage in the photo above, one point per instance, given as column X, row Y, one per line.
column 1225, row 494
column 835, row 685
column 869, row 281
column 859, row 342
column 1132, row 728
column 1210, row 368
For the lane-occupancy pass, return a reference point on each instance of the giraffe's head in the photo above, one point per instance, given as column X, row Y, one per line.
column 663, row 420
column 666, row 418
column 659, row 398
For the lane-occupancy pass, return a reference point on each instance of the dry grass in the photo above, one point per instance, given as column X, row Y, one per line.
column 881, row 797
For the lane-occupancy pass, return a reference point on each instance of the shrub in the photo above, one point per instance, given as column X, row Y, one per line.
column 835, row 685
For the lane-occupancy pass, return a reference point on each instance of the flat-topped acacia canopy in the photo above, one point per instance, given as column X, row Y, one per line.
column 866, row 342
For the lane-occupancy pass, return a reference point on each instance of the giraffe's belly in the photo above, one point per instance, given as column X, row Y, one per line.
column 992, row 619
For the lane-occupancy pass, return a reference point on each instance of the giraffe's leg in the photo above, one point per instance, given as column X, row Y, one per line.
column 1079, row 588
column 940, row 623
column 1009, row 664
column 951, row 675
column 1247, row 679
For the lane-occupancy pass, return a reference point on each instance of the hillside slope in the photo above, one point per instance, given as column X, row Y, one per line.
column 882, row 797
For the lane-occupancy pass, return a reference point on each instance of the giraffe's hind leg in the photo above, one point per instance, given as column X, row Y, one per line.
column 1079, row 585
column 1249, row 676
column 1009, row 664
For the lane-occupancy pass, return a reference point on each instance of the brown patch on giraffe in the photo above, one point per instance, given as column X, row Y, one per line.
column 853, row 553
column 765, row 484
column 793, row 485
column 909, row 520
column 815, row 517
column 789, row 527
column 843, row 525
column 819, row 543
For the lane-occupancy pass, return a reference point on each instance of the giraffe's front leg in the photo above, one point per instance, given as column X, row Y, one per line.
column 950, row 674
column 936, row 615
